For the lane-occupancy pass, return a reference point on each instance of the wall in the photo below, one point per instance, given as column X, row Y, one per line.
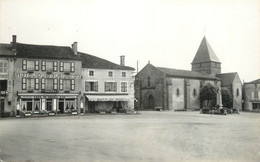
column 194, row 99
column 250, row 89
column 237, row 99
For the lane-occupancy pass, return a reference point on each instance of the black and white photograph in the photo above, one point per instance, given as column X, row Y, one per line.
column 130, row 80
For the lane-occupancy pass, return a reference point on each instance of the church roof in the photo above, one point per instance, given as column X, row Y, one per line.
column 205, row 53
column 186, row 73
column 255, row 82
column 227, row 78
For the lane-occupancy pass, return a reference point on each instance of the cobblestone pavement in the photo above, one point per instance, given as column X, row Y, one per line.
column 149, row 136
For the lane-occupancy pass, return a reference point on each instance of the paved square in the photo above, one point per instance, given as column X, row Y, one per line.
column 149, row 136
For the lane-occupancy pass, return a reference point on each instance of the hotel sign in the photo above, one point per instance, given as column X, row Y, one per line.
column 58, row 76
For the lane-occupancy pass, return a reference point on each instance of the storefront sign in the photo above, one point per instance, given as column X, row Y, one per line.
column 49, row 91
column 49, row 97
column 59, row 76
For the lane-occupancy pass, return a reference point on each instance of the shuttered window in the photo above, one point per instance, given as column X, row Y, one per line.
column 110, row 87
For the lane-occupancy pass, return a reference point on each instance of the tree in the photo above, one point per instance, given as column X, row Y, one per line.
column 227, row 99
column 208, row 94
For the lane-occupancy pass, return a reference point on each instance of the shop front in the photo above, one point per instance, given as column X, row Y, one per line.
column 106, row 103
column 39, row 103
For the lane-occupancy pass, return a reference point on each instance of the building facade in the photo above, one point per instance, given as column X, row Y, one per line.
column 106, row 86
column 7, row 99
column 177, row 89
column 47, row 78
column 252, row 95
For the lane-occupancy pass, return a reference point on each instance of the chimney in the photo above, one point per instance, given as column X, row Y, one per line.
column 75, row 48
column 122, row 60
column 14, row 44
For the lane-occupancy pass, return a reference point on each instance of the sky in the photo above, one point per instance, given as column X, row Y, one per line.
column 165, row 32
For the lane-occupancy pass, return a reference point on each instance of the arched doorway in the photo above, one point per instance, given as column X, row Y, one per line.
column 150, row 103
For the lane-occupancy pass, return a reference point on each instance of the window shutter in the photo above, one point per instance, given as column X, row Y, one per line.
column 61, row 84
column 115, row 87
column 96, row 86
column 55, row 66
column 36, row 83
column 106, row 86
column 55, row 84
column 24, row 66
column 43, row 65
column 72, row 86
column 43, row 84
column 36, row 64
column 61, row 66
column 87, row 85
column 23, row 84
column 72, row 67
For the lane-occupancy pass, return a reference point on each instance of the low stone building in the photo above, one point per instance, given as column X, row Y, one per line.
column 252, row 95
column 232, row 82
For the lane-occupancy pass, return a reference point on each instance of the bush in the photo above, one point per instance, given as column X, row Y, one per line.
column 206, row 111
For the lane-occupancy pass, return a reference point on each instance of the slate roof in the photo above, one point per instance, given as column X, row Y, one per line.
column 227, row 78
column 90, row 61
column 186, row 73
column 254, row 82
column 6, row 50
column 45, row 52
column 205, row 53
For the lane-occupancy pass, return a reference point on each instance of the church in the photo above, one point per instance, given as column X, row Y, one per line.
column 171, row 89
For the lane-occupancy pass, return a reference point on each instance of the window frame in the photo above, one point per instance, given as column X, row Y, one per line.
column 110, row 71
column 123, row 72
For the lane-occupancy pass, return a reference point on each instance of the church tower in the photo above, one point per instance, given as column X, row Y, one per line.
column 206, row 60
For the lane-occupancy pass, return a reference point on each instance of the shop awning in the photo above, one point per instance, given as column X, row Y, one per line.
column 108, row 97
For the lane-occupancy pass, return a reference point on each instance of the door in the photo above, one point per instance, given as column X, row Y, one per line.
column 49, row 105
column 91, row 107
column 61, row 107
column 2, row 107
column 150, row 102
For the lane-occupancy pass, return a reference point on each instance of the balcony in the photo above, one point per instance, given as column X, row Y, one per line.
column 30, row 90
column 49, row 71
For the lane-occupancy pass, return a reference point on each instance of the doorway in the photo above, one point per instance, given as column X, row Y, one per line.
column 61, row 106
column 49, row 104
column 150, row 102
column 91, row 107
column 2, row 107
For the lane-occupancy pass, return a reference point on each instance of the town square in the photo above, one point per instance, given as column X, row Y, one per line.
column 129, row 80
column 148, row 136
